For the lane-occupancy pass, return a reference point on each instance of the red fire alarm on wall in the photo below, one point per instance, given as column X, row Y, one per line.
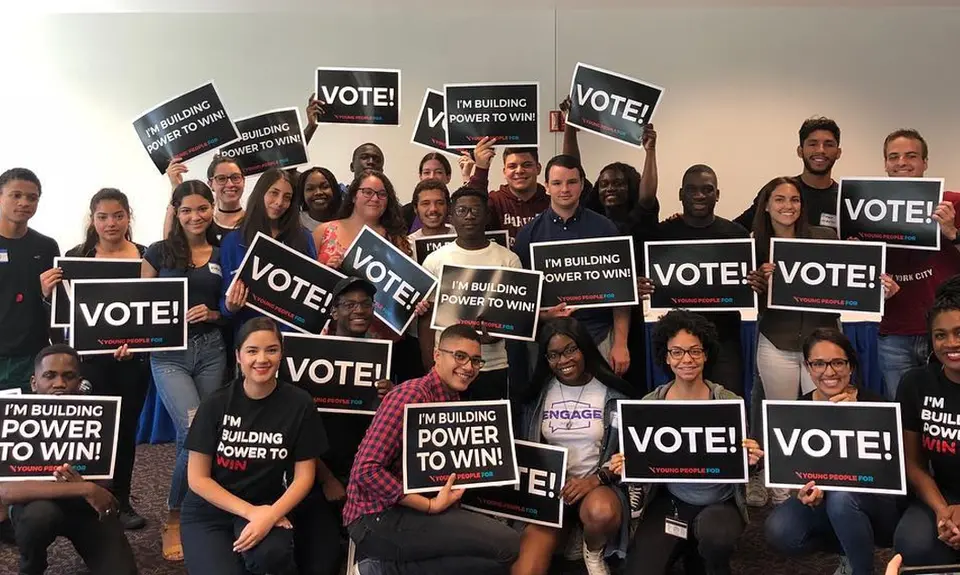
column 557, row 121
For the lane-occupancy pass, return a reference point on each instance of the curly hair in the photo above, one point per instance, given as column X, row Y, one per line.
column 946, row 298
column 679, row 320
column 392, row 217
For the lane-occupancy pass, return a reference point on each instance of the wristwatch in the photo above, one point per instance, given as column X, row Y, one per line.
column 604, row 476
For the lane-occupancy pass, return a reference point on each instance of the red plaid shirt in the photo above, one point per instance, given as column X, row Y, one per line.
column 376, row 480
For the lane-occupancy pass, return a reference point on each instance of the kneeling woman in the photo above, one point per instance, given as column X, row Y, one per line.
column 843, row 521
column 245, row 440
column 571, row 369
column 715, row 513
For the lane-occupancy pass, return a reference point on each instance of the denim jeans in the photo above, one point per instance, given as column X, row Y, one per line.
column 916, row 536
column 183, row 379
column 899, row 353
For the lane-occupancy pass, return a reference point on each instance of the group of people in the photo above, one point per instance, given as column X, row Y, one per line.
column 330, row 476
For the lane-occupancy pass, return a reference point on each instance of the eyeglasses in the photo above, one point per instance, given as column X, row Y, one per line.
column 368, row 193
column 234, row 178
column 350, row 306
column 819, row 366
column 567, row 352
column 464, row 211
column 463, row 358
column 677, row 353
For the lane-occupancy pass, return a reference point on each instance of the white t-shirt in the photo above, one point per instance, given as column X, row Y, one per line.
column 573, row 418
column 419, row 234
column 492, row 255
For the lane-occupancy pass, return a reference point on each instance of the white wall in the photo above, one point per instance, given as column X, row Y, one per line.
column 738, row 83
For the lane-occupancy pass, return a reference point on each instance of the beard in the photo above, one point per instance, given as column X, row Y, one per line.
column 826, row 170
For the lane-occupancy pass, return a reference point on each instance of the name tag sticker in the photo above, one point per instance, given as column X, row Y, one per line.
column 675, row 527
column 215, row 269
column 4, row 257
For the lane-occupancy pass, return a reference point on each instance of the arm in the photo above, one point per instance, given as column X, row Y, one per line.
column 649, row 180
column 571, row 134
column 945, row 215
column 314, row 109
column 303, row 475
column 918, row 475
column 15, row 492
column 619, row 354
column 147, row 271
column 746, row 218
column 483, row 153
column 201, row 483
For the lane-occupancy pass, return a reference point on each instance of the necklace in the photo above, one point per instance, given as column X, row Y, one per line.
column 569, row 422
column 236, row 211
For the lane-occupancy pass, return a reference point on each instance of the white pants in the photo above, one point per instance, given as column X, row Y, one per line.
column 783, row 372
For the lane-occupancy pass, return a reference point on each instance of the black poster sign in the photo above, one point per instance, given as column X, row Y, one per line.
column 359, row 96
column 287, row 285
column 339, row 372
column 426, row 245
column 185, row 127
column 401, row 282
column 683, row 441
column 143, row 314
column 507, row 112
column 611, row 105
column 597, row 272
column 845, row 446
column 270, row 140
column 898, row 211
column 39, row 433
column 701, row 275
column 473, row 439
column 827, row 275
column 503, row 300
column 431, row 129
column 536, row 499
column 86, row 269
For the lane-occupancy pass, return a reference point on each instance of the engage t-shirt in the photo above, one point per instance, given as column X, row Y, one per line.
column 573, row 418
column 203, row 282
column 930, row 406
column 255, row 442
column 24, row 316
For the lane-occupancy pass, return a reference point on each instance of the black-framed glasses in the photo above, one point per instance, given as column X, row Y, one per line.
column 234, row 178
column 819, row 366
column 677, row 353
column 350, row 306
column 464, row 211
column 462, row 358
column 368, row 193
column 567, row 352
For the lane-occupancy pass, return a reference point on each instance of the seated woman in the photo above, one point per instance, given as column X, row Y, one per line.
column 715, row 513
column 843, row 521
column 252, row 448
column 929, row 531
column 571, row 369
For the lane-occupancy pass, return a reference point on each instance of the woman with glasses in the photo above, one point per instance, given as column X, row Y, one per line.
column 320, row 197
column 715, row 513
column 226, row 180
column 838, row 521
column 573, row 404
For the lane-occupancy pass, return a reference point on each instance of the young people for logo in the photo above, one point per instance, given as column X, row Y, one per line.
column 929, row 396
column 81, row 511
column 572, row 403
column 706, row 518
column 413, row 533
column 850, row 523
column 252, row 449
column 27, row 279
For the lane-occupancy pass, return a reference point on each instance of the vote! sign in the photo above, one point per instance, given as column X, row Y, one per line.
column 611, row 105
column 339, row 372
column 473, row 439
column 507, row 112
column 286, row 285
column 426, row 245
column 185, row 127
column 845, row 446
column 143, row 314
column 898, row 211
column 85, row 269
column 701, row 275
column 826, row 275
column 505, row 301
column 683, row 441
column 431, row 129
column 536, row 499
column 597, row 272
column 359, row 96
column 401, row 282
column 39, row 433
column 270, row 140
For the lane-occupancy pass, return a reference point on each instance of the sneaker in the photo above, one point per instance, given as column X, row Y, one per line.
column 844, row 568
column 129, row 518
column 756, row 493
column 635, row 495
column 778, row 495
column 594, row 561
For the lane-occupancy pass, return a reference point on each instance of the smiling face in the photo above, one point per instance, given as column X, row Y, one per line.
column 819, row 152
column 227, row 183
column 945, row 331
column 371, row 199
column 277, row 199
column 111, row 220
column 699, row 194
column 612, row 187
column 521, row 170
column 353, row 313
column 432, row 208
column 686, row 356
column 470, row 216
column 904, row 158
column 318, row 192
column 195, row 214
column 784, row 205
column 259, row 357
column 829, row 368
column 434, row 170
column 18, row 201
column 564, row 186
column 58, row 374
column 566, row 360
column 455, row 374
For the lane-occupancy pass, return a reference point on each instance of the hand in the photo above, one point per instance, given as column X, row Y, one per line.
column 202, row 314
column 448, row 496
column 849, row 394
column 675, row 216
column 175, row 172
column 466, row 166
column 260, row 520
column 423, row 306
column 67, row 474
column 122, row 353
column 616, row 463
column 760, row 277
column 283, row 523
column 559, row 310
column 649, row 138
column 810, row 495
column 645, row 287
column 947, row 530
column 484, row 152
column 335, row 261
column 565, row 106
column 102, row 501
column 754, row 453
column 333, row 490
column 619, row 358
column 314, row 110
column 945, row 214
column 890, row 286
column 49, row 280
column 383, row 386
column 893, row 567
column 485, row 337
column 577, row 489
column 236, row 296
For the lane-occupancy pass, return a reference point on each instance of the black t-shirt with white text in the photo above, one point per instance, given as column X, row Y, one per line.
column 930, row 406
column 253, row 443
column 24, row 317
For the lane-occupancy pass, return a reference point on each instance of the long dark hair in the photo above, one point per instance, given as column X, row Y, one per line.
column 592, row 200
column 290, row 232
column 839, row 339
column 254, row 325
column 594, row 362
column 176, row 250
column 763, row 226
column 335, row 201
column 104, row 195
column 392, row 217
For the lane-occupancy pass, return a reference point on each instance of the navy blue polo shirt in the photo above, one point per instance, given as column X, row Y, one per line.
column 584, row 224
